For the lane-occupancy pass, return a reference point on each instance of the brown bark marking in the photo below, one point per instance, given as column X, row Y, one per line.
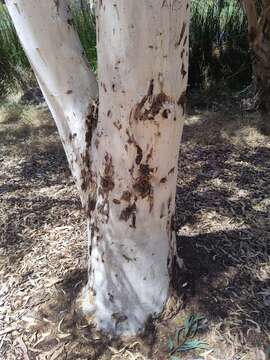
column 94, row 232
column 182, row 53
column 107, row 183
column 103, row 209
column 103, row 86
column 142, row 184
column 86, row 179
column 96, row 143
column 111, row 297
column 17, row 8
column 151, row 88
column 149, row 156
column 171, row 171
column 169, row 204
column 183, row 71
column 131, row 170
column 163, row 180
column 91, row 123
column 154, row 103
column 173, row 226
column 182, row 33
column 132, row 141
column 91, row 204
column 168, row 228
column 70, row 23
column 57, row 4
column 165, row 113
column 126, row 196
column 133, row 221
column 164, row 4
column 162, row 211
column 139, row 155
column 127, row 212
column 182, row 101
column 116, row 9
column 101, row 4
column 118, row 125
column 72, row 136
column 151, row 200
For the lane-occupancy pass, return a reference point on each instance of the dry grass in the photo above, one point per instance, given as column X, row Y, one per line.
column 223, row 227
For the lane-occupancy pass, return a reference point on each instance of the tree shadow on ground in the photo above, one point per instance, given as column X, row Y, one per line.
column 48, row 167
column 222, row 219
column 63, row 309
column 29, row 216
column 33, row 160
column 19, row 131
column 223, row 225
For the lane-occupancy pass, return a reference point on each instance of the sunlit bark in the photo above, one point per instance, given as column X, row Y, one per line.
column 128, row 151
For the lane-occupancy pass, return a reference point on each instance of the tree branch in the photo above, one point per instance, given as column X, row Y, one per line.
column 53, row 48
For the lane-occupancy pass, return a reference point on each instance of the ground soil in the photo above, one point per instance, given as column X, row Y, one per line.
column 223, row 233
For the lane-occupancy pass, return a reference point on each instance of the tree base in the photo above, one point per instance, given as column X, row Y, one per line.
column 133, row 321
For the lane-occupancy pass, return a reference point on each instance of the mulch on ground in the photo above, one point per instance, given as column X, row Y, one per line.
column 223, row 236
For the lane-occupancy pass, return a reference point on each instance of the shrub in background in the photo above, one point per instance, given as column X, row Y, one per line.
column 219, row 50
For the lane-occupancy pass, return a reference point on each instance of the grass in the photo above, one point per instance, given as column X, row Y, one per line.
column 84, row 22
column 14, row 66
column 219, row 50
column 218, row 46
column 15, row 71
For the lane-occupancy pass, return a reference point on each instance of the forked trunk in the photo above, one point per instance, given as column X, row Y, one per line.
column 131, row 152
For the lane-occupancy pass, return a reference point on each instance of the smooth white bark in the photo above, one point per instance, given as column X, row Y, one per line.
column 53, row 48
column 143, row 64
column 130, row 155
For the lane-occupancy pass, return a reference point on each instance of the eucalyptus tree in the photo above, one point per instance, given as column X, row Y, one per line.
column 121, row 136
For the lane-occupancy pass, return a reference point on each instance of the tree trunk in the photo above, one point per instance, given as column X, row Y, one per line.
column 142, row 74
column 131, row 152
column 259, row 38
